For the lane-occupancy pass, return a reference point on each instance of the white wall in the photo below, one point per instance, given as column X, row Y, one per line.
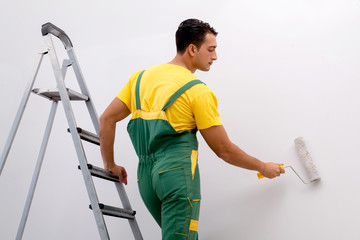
column 286, row 68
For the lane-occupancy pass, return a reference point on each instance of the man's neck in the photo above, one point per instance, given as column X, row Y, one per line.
column 183, row 61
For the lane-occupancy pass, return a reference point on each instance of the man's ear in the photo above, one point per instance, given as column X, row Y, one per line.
column 192, row 49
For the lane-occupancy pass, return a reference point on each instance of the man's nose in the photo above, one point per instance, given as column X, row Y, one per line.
column 214, row 56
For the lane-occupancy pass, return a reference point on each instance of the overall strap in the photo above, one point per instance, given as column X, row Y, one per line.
column 179, row 92
column 137, row 91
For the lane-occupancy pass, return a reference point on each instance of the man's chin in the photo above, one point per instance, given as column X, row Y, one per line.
column 205, row 69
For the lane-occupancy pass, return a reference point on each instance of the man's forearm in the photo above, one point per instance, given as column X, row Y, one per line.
column 237, row 157
column 107, row 136
column 217, row 139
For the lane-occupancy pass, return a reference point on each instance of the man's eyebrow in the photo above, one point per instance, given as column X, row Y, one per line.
column 212, row 46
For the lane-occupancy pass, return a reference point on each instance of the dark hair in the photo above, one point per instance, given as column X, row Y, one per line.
column 192, row 31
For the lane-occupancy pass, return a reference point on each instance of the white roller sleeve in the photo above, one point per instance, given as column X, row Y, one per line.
column 306, row 159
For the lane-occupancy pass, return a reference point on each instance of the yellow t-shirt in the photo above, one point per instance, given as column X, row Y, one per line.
column 196, row 107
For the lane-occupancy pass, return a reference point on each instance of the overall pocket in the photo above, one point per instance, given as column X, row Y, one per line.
column 172, row 183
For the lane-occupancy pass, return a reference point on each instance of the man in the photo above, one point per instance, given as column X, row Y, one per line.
column 168, row 105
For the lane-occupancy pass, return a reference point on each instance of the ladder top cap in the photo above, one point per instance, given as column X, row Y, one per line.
column 57, row 32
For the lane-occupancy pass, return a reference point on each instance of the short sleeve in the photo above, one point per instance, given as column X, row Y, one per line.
column 205, row 109
column 125, row 94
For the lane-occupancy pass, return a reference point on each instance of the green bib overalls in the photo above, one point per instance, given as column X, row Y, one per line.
column 168, row 174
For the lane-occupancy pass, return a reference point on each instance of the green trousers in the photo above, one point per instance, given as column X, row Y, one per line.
column 168, row 174
column 171, row 193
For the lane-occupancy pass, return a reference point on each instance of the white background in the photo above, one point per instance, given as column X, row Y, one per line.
column 285, row 68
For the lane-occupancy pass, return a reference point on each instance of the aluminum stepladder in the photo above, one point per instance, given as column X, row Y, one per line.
column 66, row 95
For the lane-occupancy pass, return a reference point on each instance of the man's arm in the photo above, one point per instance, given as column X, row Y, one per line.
column 115, row 112
column 218, row 140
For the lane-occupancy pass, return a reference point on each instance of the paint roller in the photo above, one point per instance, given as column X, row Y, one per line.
column 304, row 155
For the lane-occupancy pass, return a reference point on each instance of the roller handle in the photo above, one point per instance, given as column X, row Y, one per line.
column 57, row 32
column 260, row 176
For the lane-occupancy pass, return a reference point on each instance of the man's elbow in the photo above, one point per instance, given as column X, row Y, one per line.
column 104, row 121
column 219, row 142
column 224, row 152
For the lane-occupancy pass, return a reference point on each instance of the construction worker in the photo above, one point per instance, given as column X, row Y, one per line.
column 168, row 105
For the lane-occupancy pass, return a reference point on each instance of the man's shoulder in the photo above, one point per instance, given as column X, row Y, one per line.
column 198, row 90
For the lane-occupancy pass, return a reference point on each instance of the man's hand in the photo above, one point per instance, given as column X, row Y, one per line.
column 120, row 172
column 272, row 170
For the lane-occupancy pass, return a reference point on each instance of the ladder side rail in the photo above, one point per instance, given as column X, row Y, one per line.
column 126, row 204
column 120, row 188
column 77, row 142
column 20, row 111
column 37, row 171
column 84, row 89
column 39, row 162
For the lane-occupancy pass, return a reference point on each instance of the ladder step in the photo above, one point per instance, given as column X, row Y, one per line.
column 116, row 212
column 54, row 95
column 101, row 173
column 87, row 136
